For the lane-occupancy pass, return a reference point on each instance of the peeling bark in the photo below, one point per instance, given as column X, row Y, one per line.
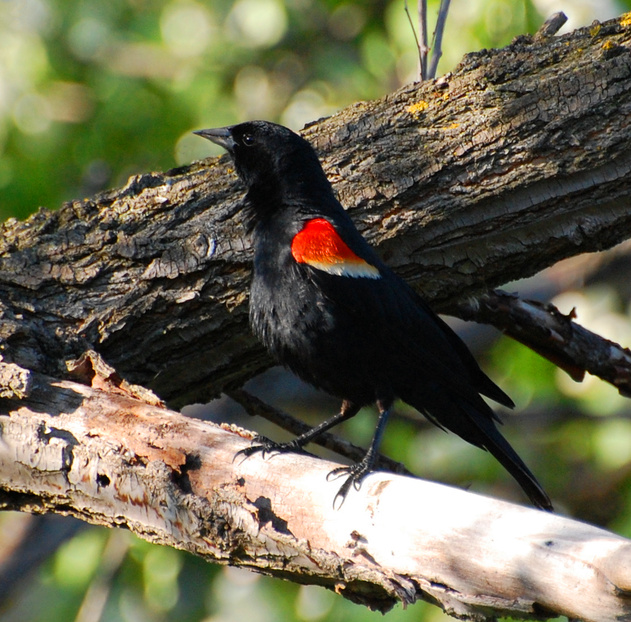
column 108, row 458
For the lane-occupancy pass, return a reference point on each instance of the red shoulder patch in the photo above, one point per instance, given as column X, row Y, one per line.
column 319, row 245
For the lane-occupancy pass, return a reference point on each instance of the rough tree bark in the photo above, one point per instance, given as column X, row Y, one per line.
column 518, row 159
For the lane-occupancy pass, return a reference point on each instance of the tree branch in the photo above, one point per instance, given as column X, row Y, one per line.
column 544, row 329
column 518, row 159
column 105, row 456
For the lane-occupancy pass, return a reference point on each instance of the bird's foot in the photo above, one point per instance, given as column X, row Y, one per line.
column 355, row 474
column 267, row 447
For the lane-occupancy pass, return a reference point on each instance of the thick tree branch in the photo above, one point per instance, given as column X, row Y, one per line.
column 518, row 159
column 111, row 459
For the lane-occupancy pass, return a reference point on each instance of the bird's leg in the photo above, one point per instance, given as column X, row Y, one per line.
column 356, row 472
column 267, row 446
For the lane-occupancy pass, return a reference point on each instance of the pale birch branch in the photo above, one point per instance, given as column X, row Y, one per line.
column 107, row 457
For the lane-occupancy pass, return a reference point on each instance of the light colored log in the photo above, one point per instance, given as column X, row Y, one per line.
column 107, row 457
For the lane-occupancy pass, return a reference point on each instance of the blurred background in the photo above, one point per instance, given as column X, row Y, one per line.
column 92, row 92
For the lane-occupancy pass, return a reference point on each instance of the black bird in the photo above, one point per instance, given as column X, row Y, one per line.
column 327, row 308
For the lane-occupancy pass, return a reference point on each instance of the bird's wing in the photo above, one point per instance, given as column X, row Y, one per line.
column 409, row 338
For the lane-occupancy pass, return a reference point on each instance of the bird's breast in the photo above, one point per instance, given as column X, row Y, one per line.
column 308, row 330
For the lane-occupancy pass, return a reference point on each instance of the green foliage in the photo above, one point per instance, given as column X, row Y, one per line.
column 92, row 92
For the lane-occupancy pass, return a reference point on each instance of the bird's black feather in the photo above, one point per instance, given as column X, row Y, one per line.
column 352, row 328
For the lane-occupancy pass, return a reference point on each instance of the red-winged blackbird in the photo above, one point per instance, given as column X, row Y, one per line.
column 330, row 310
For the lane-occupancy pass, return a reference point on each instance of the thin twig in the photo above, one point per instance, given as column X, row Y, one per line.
column 437, row 40
column 424, row 47
column 418, row 45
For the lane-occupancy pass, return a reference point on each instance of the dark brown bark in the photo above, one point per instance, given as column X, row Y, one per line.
column 519, row 158
column 555, row 336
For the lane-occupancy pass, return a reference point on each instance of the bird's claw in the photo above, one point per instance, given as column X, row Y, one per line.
column 355, row 474
column 266, row 447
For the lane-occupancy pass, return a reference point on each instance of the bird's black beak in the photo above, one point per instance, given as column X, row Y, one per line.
column 221, row 136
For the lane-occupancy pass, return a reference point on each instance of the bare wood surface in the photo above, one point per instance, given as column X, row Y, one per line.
column 106, row 457
column 518, row 159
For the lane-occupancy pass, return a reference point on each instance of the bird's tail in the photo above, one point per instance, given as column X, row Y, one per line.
column 472, row 419
column 490, row 438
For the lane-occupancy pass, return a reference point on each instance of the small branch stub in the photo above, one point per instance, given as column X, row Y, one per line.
column 551, row 26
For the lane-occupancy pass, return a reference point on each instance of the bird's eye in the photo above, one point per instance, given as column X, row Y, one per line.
column 247, row 140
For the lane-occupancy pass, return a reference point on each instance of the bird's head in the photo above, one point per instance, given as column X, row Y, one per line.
column 268, row 156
